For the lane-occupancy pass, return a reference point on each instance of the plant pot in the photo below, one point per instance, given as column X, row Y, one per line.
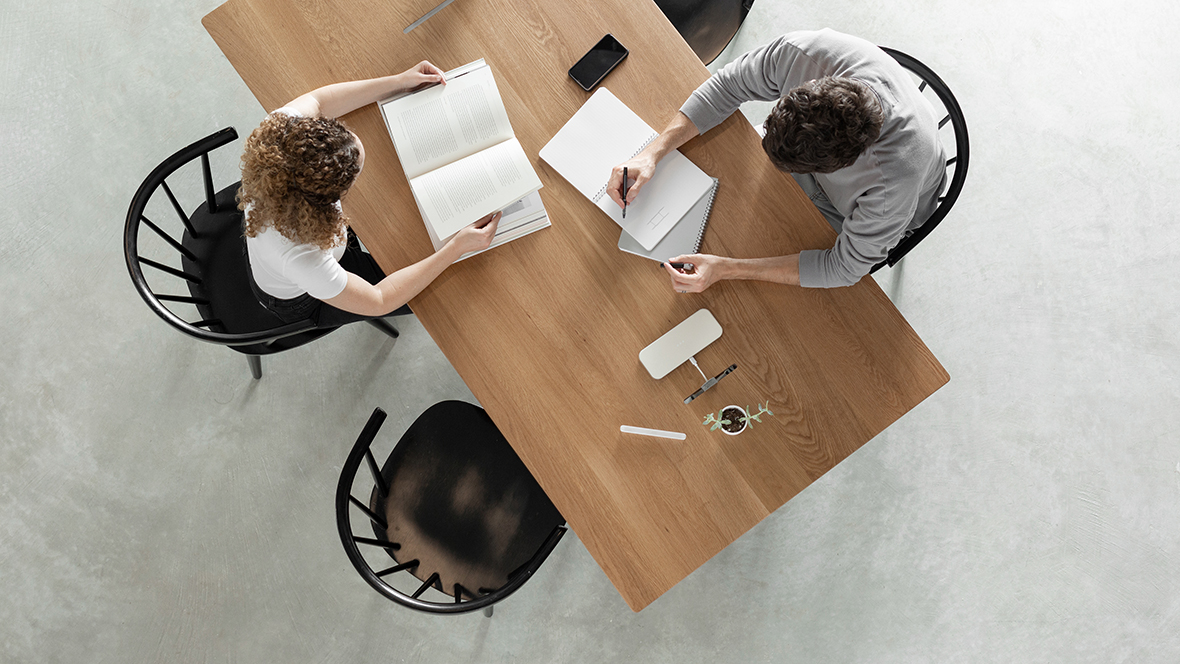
column 734, row 415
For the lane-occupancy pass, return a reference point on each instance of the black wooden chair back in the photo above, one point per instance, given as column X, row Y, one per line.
column 958, row 162
column 707, row 25
column 453, row 507
column 210, row 259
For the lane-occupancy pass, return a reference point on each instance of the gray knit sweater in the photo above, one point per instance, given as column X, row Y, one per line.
column 894, row 184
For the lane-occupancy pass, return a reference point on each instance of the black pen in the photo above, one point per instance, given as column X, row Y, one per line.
column 624, row 192
column 683, row 267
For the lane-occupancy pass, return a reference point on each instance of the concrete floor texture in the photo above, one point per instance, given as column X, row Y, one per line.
column 159, row 505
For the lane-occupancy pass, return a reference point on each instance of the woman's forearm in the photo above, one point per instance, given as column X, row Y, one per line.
column 387, row 295
column 337, row 99
column 343, row 98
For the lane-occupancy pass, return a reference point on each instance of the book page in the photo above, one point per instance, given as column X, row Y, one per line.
column 519, row 219
column 445, row 123
column 462, row 192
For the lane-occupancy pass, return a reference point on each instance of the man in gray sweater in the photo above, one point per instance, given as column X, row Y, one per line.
column 850, row 126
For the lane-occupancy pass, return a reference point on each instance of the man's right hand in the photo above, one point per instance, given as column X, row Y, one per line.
column 477, row 236
column 643, row 166
column 639, row 171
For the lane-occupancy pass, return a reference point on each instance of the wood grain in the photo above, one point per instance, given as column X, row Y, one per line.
column 546, row 330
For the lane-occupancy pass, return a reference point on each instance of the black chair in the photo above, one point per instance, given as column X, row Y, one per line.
column 707, row 25
column 213, row 264
column 455, row 509
column 958, row 161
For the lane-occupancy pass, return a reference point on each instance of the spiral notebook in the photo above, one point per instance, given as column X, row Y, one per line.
column 604, row 133
column 684, row 238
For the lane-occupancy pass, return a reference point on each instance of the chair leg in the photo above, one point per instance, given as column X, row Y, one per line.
column 488, row 611
column 255, row 365
column 384, row 326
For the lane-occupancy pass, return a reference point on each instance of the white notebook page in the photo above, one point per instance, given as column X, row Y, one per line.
column 604, row 133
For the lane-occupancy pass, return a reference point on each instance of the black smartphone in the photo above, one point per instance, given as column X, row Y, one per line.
column 598, row 61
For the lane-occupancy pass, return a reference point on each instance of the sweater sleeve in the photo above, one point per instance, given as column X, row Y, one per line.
column 760, row 75
column 875, row 225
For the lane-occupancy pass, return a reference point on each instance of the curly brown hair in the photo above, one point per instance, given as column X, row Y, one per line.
column 294, row 170
column 822, row 126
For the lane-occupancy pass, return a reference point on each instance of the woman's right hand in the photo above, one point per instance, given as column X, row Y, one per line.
column 477, row 236
column 419, row 76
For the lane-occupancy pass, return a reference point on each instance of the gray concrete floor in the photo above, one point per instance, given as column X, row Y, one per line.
column 158, row 505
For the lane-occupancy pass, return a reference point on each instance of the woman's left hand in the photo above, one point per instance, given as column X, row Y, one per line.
column 420, row 75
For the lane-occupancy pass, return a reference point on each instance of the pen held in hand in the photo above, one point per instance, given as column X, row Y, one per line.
column 686, row 268
column 625, row 188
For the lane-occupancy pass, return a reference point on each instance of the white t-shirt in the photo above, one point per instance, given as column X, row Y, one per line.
column 286, row 269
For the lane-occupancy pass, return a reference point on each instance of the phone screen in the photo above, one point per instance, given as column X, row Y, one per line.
column 598, row 62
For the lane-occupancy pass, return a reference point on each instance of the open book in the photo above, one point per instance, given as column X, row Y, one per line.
column 605, row 133
column 461, row 157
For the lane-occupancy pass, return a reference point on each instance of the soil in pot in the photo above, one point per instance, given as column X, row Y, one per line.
column 734, row 415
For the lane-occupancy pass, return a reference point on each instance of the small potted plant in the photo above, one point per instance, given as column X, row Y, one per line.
column 734, row 419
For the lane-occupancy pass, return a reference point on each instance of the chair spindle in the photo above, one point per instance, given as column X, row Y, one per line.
column 210, row 196
column 188, row 224
column 397, row 568
column 186, row 299
column 380, row 481
column 432, row 581
column 168, row 238
column 374, row 542
column 170, row 270
column 373, row 516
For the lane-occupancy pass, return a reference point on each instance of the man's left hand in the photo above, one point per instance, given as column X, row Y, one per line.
column 706, row 270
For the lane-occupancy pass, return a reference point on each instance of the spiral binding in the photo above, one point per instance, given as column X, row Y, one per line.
column 646, row 143
column 696, row 248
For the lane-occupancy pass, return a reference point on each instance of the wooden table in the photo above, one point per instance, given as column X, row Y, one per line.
column 546, row 330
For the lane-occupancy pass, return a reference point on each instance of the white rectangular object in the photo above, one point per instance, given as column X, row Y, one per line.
column 655, row 433
column 688, row 338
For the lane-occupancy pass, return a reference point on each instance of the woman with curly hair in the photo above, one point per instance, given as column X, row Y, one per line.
column 296, row 166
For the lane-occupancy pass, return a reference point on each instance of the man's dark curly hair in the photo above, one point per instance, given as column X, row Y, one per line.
column 822, row 126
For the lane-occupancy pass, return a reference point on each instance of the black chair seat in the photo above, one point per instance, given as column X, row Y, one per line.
column 461, row 501
column 454, row 506
column 220, row 250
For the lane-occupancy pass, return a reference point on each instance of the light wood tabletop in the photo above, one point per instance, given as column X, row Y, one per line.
column 546, row 330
